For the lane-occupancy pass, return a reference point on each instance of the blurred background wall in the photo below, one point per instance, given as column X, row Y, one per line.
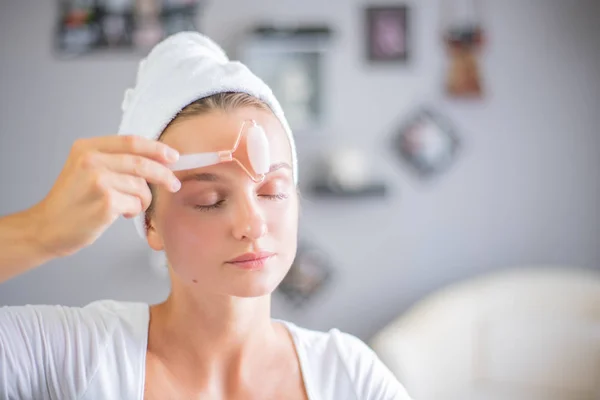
column 523, row 191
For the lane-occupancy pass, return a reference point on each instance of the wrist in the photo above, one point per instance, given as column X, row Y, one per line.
column 36, row 233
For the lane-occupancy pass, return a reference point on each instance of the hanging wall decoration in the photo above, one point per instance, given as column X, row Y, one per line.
column 309, row 274
column 387, row 33
column 463, row 37
column 86, row 26
column 427, row 143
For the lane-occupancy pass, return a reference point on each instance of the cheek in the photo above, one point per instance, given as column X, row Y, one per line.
column 283, row 221
column 283, row 230
column 186, row 238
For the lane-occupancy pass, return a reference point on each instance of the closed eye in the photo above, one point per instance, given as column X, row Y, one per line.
column 221, row 203
column 209, row 206
column 278, row 196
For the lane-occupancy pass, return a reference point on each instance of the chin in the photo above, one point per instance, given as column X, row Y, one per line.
column 252, row 287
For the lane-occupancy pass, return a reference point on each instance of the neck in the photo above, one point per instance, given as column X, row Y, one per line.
column 216, row 329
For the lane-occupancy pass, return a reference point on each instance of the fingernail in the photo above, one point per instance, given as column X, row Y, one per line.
column 171, row 154
column 175, row 185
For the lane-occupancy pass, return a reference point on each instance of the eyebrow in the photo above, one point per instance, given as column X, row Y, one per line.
column 202, row 177
column 276, row 166
column 208, row 177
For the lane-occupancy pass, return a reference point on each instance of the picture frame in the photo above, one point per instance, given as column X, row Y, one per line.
column 427, row 143
column 387, row 34
column 291, row 61
column 308, row 276
column 91, row 26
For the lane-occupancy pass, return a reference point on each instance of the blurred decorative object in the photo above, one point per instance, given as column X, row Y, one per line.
column 427, row 143
column 346, row 172
column 86, row 26
column 464, row 39
column 289, row 60
column 526, row 333
column 308, row 275
column 387, row 33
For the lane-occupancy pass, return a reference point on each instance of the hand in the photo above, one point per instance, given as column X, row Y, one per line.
column 103, row 178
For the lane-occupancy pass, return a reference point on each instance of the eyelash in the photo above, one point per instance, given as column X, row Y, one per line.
column 218, row 204
column 210, row 207
column 278, row 196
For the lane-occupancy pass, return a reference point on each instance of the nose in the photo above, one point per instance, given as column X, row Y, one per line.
column 249, row 222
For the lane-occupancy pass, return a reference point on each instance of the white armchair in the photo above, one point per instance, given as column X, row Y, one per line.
column 522, row 334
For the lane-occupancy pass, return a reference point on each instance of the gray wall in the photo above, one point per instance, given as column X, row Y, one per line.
column 525, row 190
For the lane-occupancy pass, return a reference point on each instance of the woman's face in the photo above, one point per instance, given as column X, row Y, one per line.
column 221, row 214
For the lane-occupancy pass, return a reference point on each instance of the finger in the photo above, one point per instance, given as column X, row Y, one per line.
column 130, row 185
column 130, row 144
column 140, row 167
column 126, row 205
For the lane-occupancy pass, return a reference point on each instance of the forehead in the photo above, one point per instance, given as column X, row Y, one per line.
column 218, row 130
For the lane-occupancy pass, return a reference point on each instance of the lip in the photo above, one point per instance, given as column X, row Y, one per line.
column 251, row 260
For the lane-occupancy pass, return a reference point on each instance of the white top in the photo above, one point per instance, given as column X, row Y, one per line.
column 99, row 352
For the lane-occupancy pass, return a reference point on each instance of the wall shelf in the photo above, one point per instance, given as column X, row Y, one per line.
column 368, row 191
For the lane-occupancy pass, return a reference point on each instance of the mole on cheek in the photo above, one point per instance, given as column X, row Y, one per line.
column 195, row 281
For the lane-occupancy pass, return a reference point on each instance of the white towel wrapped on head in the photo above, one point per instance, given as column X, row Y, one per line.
column 183, row 68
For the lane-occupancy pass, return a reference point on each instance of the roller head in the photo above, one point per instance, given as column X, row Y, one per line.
column 258, row 150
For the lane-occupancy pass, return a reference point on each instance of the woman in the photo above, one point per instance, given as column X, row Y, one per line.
column 229, row 239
